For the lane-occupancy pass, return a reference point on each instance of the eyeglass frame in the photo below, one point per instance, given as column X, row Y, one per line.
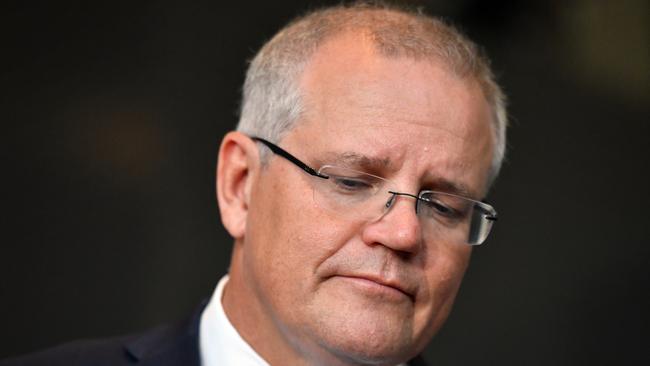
column 311, row 171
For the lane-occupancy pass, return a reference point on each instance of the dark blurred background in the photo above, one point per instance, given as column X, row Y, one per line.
column 112, row 114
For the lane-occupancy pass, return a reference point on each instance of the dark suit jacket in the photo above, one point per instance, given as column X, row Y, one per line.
column 170, row 345
column 175, row 345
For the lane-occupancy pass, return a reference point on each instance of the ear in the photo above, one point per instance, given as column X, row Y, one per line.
column 237, row 162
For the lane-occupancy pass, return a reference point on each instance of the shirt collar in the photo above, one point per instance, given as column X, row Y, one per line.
column 219, row 342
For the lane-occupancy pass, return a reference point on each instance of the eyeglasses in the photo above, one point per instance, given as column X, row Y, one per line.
column 358, row 195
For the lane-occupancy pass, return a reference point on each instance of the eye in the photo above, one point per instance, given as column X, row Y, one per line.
column 350, row 184
column 448, row 207
column 439, row 208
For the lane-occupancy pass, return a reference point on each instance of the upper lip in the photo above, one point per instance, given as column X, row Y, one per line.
column 390, row 282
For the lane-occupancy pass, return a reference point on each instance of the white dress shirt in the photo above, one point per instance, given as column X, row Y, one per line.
column 219, row 342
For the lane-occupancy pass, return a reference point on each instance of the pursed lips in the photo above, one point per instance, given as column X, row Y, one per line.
column 394, row 284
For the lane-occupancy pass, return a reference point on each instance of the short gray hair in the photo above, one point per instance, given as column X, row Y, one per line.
column 271, row 102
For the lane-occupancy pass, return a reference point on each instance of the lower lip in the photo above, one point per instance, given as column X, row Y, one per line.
column 375, row 289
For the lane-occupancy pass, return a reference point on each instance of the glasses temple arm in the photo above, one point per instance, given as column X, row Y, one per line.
column 280, row 151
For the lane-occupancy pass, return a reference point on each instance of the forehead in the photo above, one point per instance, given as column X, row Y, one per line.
column 403, row 112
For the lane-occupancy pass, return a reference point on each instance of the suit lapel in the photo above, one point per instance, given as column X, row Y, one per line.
column 175, row 345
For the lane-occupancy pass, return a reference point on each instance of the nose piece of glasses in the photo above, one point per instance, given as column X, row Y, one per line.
column 394, row 194
column 390, row 200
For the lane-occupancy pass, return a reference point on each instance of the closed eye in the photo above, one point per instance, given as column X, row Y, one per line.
column 434, row 207
column 350, row 184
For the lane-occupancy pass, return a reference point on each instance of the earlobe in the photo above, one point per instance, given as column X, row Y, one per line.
column 235, row 169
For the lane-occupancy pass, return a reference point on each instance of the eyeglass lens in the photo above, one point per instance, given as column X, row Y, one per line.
column 357, row 195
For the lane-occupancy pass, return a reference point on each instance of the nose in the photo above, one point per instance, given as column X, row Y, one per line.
column 398, row 228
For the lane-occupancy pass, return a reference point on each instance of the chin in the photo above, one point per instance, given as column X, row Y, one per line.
column 360, row 340
column 368, row 353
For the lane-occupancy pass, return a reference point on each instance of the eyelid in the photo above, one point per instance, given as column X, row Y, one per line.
column 452, row 211
column 367, row 180
column 350, row 178
column 451, row 190
column 352, row 170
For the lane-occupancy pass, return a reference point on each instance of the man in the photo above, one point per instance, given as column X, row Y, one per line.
column 352, row 188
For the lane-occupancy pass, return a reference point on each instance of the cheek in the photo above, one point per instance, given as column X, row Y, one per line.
column 449, row 273
column 444, row 273
column 272, row 227
column 273, row 249
column 449, row 265
column 283, row 250
column 287, row 236
column 300, row 229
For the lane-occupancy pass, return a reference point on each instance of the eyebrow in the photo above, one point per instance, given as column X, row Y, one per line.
column 356, row 160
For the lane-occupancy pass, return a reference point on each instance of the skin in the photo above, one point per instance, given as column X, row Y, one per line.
column 309, row 287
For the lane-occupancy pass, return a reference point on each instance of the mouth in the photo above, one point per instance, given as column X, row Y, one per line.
column 379, row 286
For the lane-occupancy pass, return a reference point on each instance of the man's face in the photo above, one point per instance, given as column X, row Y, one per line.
column 328, row 282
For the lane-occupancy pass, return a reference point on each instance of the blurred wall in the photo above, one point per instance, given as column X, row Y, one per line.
column 112, row 115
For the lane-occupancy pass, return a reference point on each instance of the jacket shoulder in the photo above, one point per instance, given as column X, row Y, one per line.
column 166, row 345
column 99, row 352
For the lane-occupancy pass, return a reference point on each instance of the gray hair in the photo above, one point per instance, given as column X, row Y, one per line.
column 271, row 103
